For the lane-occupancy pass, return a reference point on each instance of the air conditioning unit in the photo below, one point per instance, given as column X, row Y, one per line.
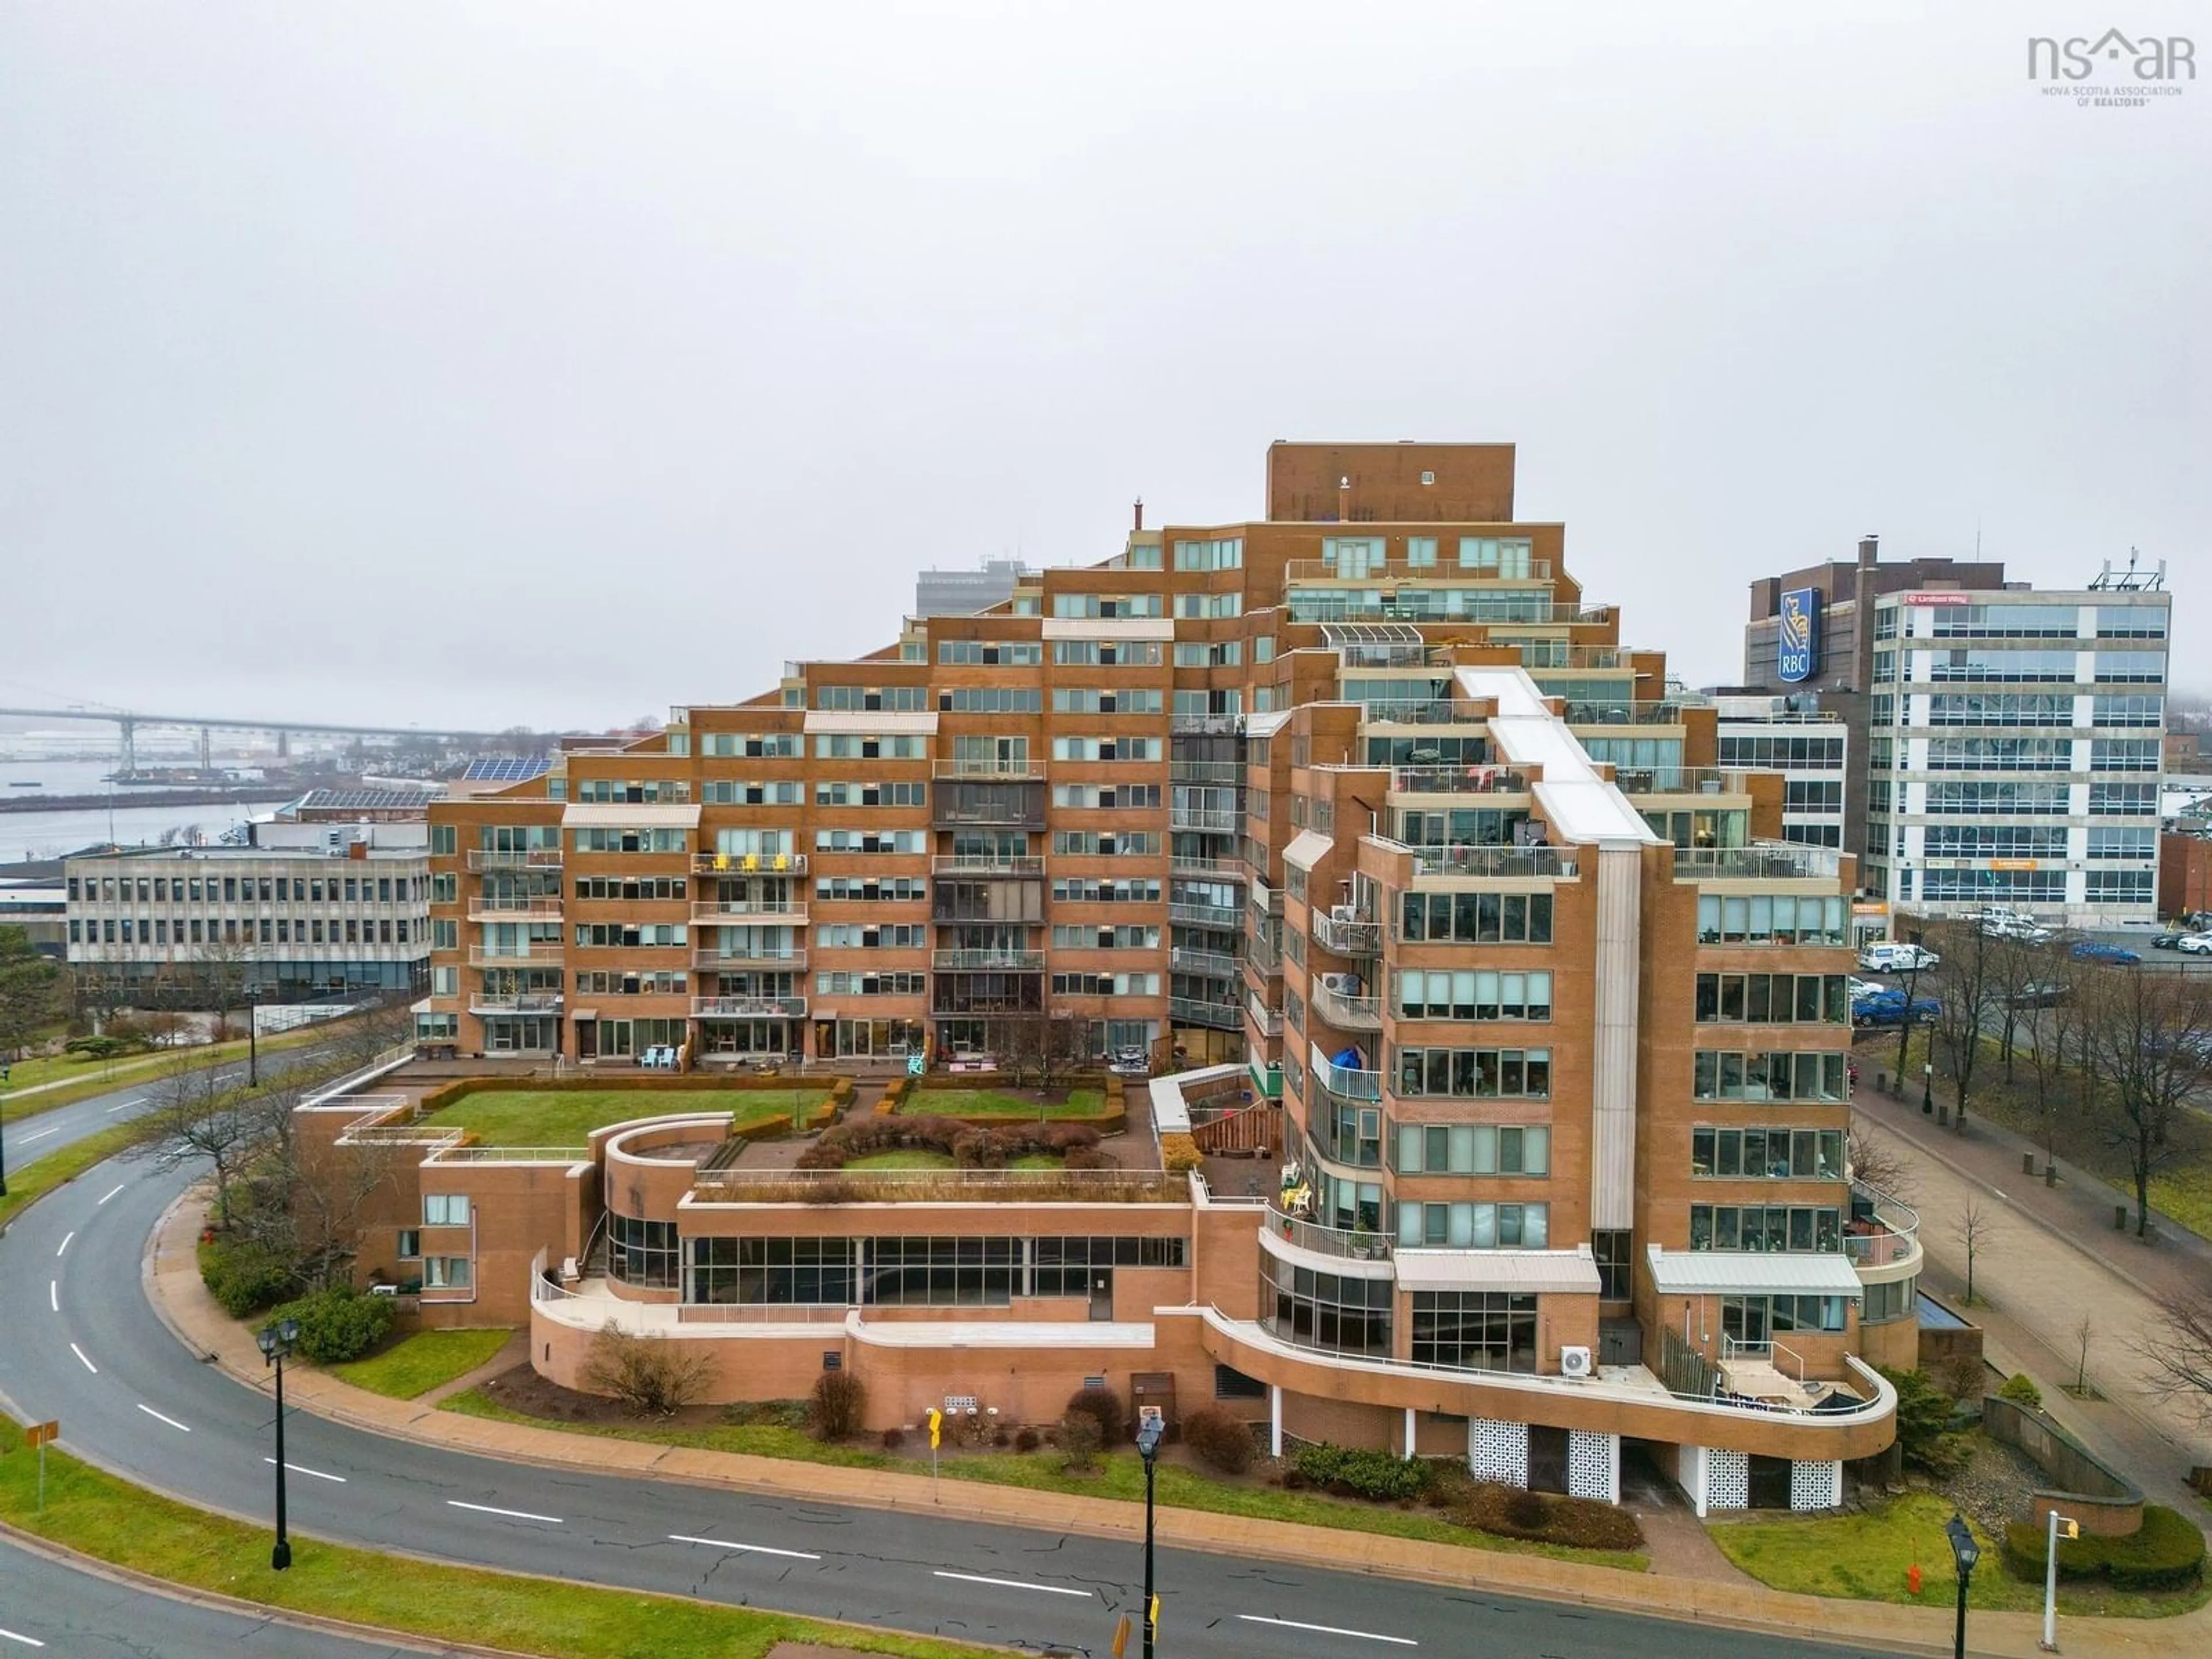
column 1345, row 914
column 1344, row 985
column 1575, row 1361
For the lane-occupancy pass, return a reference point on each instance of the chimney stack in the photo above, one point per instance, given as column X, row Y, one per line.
column 1867, row 545
column 1141, row 512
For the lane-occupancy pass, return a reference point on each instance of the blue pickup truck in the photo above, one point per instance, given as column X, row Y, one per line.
column 1892, row 1008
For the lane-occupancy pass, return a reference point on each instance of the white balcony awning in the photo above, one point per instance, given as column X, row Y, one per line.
column 1109, row 628
column 1526, row 1271
column 615, row 815
column 1306, row 848
column 1751, row 1273
column 872, row 723
column 584, row 1013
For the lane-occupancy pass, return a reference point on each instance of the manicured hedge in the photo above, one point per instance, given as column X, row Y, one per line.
column 1382, row 1476
column 246, row 1277
column 338, row 1324
column 2167, row 1553
column 1548, row 1518
column 1179, row 1153
column 968, row 1146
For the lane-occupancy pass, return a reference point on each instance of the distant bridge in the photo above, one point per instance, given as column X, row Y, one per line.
column 128, row 722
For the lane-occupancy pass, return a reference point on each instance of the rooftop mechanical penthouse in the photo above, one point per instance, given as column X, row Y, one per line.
column 1519, row 1084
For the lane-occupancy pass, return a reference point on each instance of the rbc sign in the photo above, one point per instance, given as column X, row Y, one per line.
column 1797, row 649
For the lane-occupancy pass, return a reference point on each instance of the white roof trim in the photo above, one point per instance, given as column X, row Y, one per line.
column 1751, row 1273
column 1564, row 1271
column 1267, row 725
column 617, row 815
column 1109, row 628
column 1306, row 848
column 1582, row 808
column 869, row 721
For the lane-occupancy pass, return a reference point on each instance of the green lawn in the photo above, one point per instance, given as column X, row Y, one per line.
column 417, row 1364
column 565, row 1117
column 93, row 1512
column 1865, row 1558
column 76, row 1079
column 989, row 1103
column 1121, row 1476
column 912, row 1158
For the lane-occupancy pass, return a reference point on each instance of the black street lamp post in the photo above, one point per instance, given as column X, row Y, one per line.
column 1148, row 1447
column 1965, row 1552
column 3, row 1131
column 253, row 1035
column 277, row 1342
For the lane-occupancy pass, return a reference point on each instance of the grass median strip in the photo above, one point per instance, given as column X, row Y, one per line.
column 1121, row 1478
column 109, row 1520
column 71, row 1080
column 28, row 1182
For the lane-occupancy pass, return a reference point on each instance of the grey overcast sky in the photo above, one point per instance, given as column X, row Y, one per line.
column 550, row 364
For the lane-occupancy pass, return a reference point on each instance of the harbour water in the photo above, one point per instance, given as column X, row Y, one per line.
column 49, row 835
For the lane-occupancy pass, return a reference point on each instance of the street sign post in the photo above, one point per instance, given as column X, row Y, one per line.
column 38, row 1435
column 936, row 1434
column 2061, row 1527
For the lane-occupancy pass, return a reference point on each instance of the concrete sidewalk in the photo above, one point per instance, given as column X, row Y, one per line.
column 2050, row 1257
column 184, row 1304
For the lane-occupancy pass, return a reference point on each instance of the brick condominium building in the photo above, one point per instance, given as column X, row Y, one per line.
column 1366, row 803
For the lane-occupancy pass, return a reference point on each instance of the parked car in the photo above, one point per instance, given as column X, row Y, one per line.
column 1891, row 1008
column 2197, row 944
column 2038, row 993
column 1855, row 987
column 2112, row 956
column 1995, row 923
column 2168, row 939
column 1892, row 957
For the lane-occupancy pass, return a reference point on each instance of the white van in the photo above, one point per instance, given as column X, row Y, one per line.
column 1891, row 957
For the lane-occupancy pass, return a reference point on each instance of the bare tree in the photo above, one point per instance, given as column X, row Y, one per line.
column 1875, row 1161
column 195, row 1116
column 225, row 969
column 2151, row 1036
column 2054, row 1041
column 325, row 1193
column 653, row 1376
column 1974, row 1227
column 2015, row 966
column 2179, row 1353
column 1044, row 1044
column 2084, row 1328
column 360, row 1038
column 1968, row 986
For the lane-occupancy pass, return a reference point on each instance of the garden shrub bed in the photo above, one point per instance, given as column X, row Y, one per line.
column 969, row 1147
column 2167, row 1552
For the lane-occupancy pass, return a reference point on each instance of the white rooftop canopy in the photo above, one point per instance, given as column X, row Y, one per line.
column 1582, row 808
column 1751, row 1272
column 1498, row 1270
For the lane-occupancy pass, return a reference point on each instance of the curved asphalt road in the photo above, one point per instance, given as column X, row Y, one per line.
column 82, row 1343
column 50, row 1612
column 32, row 1137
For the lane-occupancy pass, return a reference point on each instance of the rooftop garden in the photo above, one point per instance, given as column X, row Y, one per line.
column 1013, row 1105
column 566, row 1117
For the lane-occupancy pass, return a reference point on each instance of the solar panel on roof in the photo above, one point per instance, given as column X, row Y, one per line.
column 367, row 801
column 506, row 769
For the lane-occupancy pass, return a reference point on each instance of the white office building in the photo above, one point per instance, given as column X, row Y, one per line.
column 2014, row 743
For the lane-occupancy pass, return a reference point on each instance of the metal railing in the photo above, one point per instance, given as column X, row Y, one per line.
column 1457, row 781
column 986, row 866
column 749, row 863
column 1268, row 1021
column 861, row 1186
column 521, row 1002
column 1891, row 1235
column 1550, row 862
column 994, row 962
column 1354, row 1244
column 488, row 905
column 754, row 1007
column 1217, row 869
column 1348, row 932
column 1678, row 781
column 1364, row 1086
column 1213, row 1016
column 542, row 953
column 1213, row 965
column 1264, row 954
column 739, row 961
column 1206, row 724
column 1592, row 712
column 533, row 857
column 1765, row 860
column 1021, row 770
column 1449, row 572
column 1204, row 916
column 1346, row 1013
column 749, row 913
column 1221, row 772
column 513, row 1155
column 1206, row 820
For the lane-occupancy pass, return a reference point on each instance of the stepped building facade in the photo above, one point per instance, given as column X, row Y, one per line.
column 1512, row 1033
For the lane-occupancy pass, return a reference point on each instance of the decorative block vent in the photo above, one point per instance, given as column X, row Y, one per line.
column 1594, row 1465
column 1498, row 1451
column 1728, row 1480
column 1818, row 1485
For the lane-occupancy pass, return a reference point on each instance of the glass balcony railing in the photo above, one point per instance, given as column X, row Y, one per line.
column 1348, row 932
column 1457, row 781
column 1551, row 861
column 1765, row 860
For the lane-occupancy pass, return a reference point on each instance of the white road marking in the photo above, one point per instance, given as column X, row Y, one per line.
column 1014, row 1583
column 298, row 1468
column 512, row 1515
column 158, row 1418
column 42, row 1134
column 88, row 1365
column 112, row 1192
column 748, row 1549
column 66, row 1242
column 124, row 1106
column 1328, row 1629
column 28, row 1641
column 54, row 1294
